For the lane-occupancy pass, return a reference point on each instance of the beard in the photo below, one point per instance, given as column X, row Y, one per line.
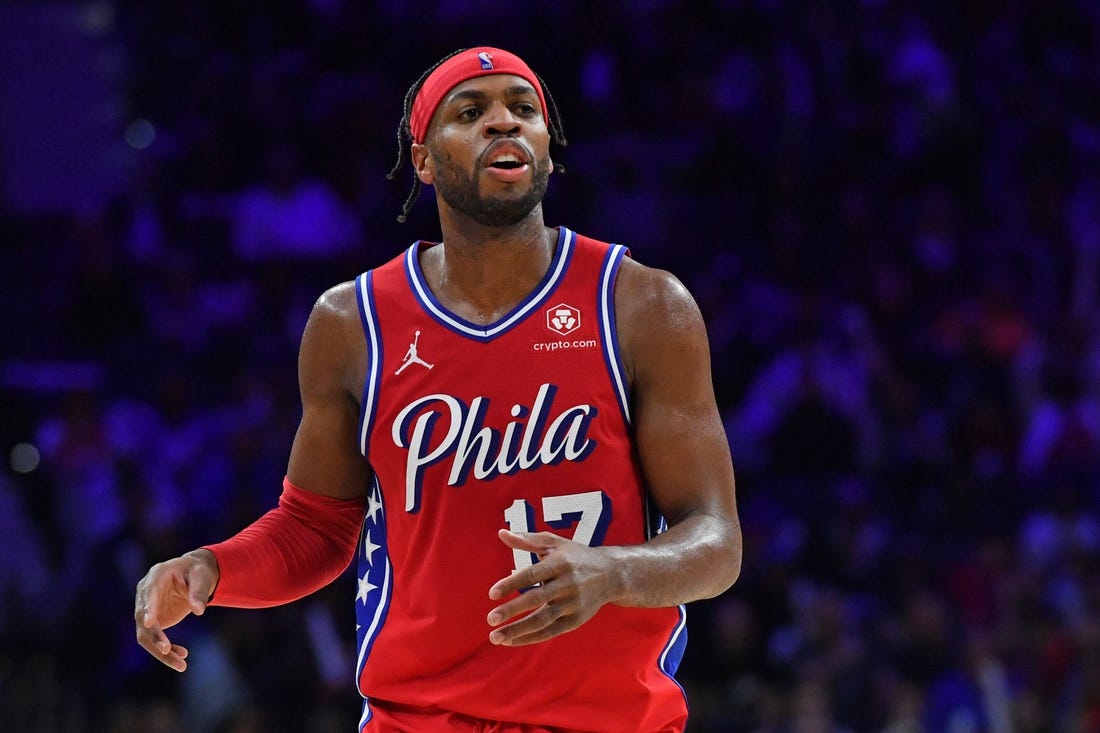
column 460, row 191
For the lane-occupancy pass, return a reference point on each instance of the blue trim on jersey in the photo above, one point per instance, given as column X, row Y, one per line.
column 612, row 358
column 673, row 653
column 461, row 326
column 368, row 313
column 608, row 329
column 375, row 573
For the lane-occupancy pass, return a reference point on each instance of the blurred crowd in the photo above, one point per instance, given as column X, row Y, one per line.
column 889, row 212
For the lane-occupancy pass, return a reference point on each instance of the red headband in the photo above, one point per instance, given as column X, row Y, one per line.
column 471, row 63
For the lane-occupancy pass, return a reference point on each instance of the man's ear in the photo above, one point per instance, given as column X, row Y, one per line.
column 422, row 163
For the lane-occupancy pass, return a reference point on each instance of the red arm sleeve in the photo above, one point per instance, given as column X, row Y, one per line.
column 299, row 547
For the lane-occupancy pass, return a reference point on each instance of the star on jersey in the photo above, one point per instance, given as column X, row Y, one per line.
column 374, row 509
column 365, row 587
column 374, row 506
column 374, row 575
column 369, row 547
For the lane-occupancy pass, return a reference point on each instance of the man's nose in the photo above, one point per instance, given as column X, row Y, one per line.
column 499, row 120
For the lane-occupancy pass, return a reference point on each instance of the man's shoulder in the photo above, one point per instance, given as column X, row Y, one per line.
column 333, row 350
column 339, row 302
column 640, row 288
column 648, row 302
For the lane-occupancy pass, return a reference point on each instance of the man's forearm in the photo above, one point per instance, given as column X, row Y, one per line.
column 698, row 557
column 288, row 553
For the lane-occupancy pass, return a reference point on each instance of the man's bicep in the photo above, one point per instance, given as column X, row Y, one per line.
column 680, row 439
column 325, row 457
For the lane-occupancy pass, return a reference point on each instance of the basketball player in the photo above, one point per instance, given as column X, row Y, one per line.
column 514, row 432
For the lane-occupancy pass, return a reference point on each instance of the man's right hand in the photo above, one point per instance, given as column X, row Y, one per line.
column 167, row 593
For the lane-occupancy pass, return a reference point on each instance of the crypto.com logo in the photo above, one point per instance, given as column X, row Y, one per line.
column 563, row 319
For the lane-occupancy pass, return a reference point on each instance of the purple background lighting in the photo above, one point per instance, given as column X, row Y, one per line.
column 888, row 211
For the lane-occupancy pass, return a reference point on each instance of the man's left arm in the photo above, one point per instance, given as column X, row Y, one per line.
column 685, row 459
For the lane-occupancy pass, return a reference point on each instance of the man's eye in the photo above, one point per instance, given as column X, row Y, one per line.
column 526, row 109
column 470, row 113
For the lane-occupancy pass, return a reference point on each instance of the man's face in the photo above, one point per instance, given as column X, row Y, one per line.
column 488, row 150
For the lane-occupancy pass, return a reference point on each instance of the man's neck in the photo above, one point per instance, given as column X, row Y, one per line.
column 481, row 273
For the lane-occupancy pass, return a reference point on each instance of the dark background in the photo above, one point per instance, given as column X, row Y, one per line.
column 888, row 211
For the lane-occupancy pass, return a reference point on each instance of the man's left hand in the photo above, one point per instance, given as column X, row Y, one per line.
column 565, row 588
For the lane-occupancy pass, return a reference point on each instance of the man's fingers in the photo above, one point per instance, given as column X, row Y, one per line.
column 175, row 658
column 555, row 628
column 531, row 575
column 157, row 644
column 156, row 608
column 197, row 601
column 538, row 542
column 148, row 630
column 542, row 544
column 528, row 601
column 543, row 624
column 531, row 623
column 154, row 641
column 153, row 638
column 165, row 596
column 147, row 605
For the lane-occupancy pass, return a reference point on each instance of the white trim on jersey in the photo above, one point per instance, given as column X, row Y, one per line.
column 375, row 518
column 374, row 367
column 607, row 317
column 673, row 640
column 366, row 715
column 372, row 630
column 561, row 258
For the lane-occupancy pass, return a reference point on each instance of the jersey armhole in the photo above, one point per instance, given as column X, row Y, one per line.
column 364, row 293
column 608, row 329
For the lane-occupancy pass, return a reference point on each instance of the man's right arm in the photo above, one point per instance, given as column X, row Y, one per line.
column 332, row 367
column 310, row 538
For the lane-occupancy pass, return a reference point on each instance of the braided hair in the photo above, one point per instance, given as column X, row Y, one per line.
column 404, row 132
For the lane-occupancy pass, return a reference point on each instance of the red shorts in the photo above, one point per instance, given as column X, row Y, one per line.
column 388, row 717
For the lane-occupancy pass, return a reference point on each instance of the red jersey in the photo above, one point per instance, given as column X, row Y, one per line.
column 524, row 424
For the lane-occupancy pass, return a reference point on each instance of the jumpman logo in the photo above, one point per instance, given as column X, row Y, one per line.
column 411, row 357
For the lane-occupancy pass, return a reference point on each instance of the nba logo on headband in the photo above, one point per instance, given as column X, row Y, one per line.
column 458, row 68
